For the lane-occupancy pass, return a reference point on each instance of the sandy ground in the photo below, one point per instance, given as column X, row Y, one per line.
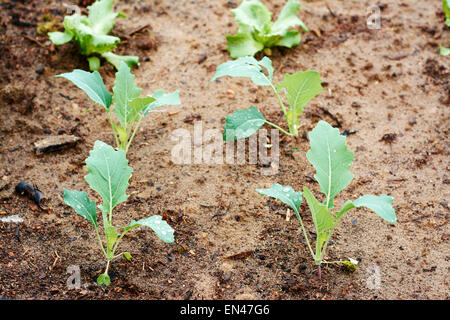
column 381, row 83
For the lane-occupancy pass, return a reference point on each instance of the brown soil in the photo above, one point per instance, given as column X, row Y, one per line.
column 390, row 86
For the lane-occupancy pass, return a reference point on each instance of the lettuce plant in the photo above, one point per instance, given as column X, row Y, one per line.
column 332, row 160
column 90, row 33
column 299, row 89
column 109, row 175
column 257, row 31
column 129, row 108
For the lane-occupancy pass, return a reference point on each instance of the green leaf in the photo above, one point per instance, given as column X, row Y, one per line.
column 242, row 124
column 322, row 218
column 117, row 60
column 92, row 84
column 125, row 90
column 127, row 256
column 332, row 160
column 163, row 99
column 80, row 202
column 243, row 43
column 103, row 279
column 60, row 38
column 254, row 14
column 291, row 39
column 446, row 6
column 101, row 16
column 247, row 67
column 285, row 194
column 89, row 41
column 111, row 237
column 349, row 266
column 159, row 226
column 444, row 51
column 300, row 88
column 381, row 205
column 288, row 19
column 94, row 63
column 108, row 175
column 137, row 105
column 123, row 135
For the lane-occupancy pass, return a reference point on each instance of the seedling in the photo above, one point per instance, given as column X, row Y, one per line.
column 257, row 31
column 129, row 108
column 90, row 33
column 299, row 89
column 332, row 160
column 109, row 175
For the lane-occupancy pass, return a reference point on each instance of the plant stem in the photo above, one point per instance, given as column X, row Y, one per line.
column 279, row 128
column 116, row 245
column 305, row 234
column 333, row 262
column 280, row 101
column 326, row 242
column 107, row 266
column 114, row 131
column 100, row 241
column 134, row 133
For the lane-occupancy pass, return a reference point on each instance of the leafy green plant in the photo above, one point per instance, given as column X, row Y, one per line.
column 299, row 89
column 332, row 160
column 129, row 108
column 109, row 176
column 90, row 33
column 257, row 31
column 446, row 6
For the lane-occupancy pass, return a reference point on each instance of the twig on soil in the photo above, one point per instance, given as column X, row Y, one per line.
column 218, row 214
column 205, row 205
column 34, row 40
column 56, row 260
column 331, row 11
column 139, row 29
column 332, row 116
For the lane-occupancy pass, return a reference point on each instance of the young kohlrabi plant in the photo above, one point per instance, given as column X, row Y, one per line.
column 299, row 89
column 257, row 31
column 90, row 33
column 109, row 175
column 129, row 108
column 332, row 160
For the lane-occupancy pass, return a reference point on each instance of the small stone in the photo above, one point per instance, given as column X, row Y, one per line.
column 40, row 68
column 55, row 143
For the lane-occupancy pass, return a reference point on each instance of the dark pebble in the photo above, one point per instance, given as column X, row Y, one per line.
column 40, row 68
